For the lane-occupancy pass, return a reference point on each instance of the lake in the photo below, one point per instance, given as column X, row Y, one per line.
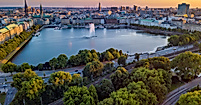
column 52, row 42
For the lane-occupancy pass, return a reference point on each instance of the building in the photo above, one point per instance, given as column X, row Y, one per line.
column 114, row 9
column 123, row 8
column 25, row 8
column 135, row 8
column 41, row 11
column 183, row 9
column 65, row 21
column 99, row 7
column 9, row 32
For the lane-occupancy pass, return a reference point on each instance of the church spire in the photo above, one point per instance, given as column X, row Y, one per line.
column 25, row 8
column 41, row 11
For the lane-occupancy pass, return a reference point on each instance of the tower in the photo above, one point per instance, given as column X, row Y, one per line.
column 41, row 11
column 99, row 7
column 25, row 8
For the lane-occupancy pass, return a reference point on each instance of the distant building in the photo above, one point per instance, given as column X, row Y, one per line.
column 127, row 8
column 25, row 8
column 123, row 8
column 135, row 8
column 183, row 9
column 99, row 7
column 41, row 11
column 114, row 8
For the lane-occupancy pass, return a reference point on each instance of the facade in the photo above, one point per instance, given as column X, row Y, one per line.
column 192, row 27
column 183, row 9
column 65, row 21
column 9, row 32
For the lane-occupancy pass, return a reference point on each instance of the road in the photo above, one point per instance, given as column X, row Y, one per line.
column 10, row 95
column 173, row 96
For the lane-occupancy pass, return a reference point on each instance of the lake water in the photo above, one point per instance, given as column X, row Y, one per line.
column 52, row 42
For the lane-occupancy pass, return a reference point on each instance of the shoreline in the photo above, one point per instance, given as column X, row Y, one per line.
column 19, row 48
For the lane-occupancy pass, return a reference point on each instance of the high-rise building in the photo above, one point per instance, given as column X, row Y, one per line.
column 183, row 9
column 25, row 8
column 135, row 8
column 99, row 7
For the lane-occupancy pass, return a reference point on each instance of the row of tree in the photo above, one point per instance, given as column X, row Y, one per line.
column 179, row 40
column 8, row 46
column 162, row 28
column 11, row 67
column 82, row 58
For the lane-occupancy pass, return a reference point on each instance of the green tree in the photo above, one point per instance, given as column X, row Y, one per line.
column 157, row 81
column 93, row 93
column 62, row 61
column 9, row 67
column 104, row 89
column 78, row 96
column 108, row 56
column 53, row 62
column 21, row 77
column 190, row 98
column 40, row 66
column 60, row 78
column 77, row 80
column 25, row 66
column 137, row 56
column 122, row 60
column 93, row 69
column 33, row 88
column 187, row 65
column 120, row 78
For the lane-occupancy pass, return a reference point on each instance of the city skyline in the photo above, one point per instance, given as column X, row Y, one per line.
column 104, row 3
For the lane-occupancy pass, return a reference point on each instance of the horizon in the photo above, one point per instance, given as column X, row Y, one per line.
column 104, row 3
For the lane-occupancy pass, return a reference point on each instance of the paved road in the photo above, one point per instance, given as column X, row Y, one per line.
column 10, row 95
column 173, row 96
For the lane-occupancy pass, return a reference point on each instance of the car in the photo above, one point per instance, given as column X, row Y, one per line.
column 76, row 70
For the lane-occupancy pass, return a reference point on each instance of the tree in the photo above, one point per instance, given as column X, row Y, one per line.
column 78, row 96
column 9, row 67
column 60, row 78
column 93, row 69
column 53, row 62
column 104, row 89
column 120, row 78
column 137, row 56
column 190, row 98
column 155, row 63
column 77, row 80
column 40, row 66
column 157, row 81
column 108, row 56
column 122, row 60
column 187, row 65
column 62, row 61
column 33, row 88
column 25, row 66
column 93, row 93
column 109, row 67
column 21, row 77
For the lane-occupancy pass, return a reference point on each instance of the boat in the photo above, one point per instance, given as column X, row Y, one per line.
column 37, row 34
column 89, row 37
column 57, row 28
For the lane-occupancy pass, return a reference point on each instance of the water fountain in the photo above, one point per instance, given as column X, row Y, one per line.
column 91, row 31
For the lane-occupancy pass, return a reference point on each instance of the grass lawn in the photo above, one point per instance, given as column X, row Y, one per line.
column 176, row 85
column 2, row 98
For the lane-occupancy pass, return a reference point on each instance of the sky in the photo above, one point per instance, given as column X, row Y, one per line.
column 105, row 3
